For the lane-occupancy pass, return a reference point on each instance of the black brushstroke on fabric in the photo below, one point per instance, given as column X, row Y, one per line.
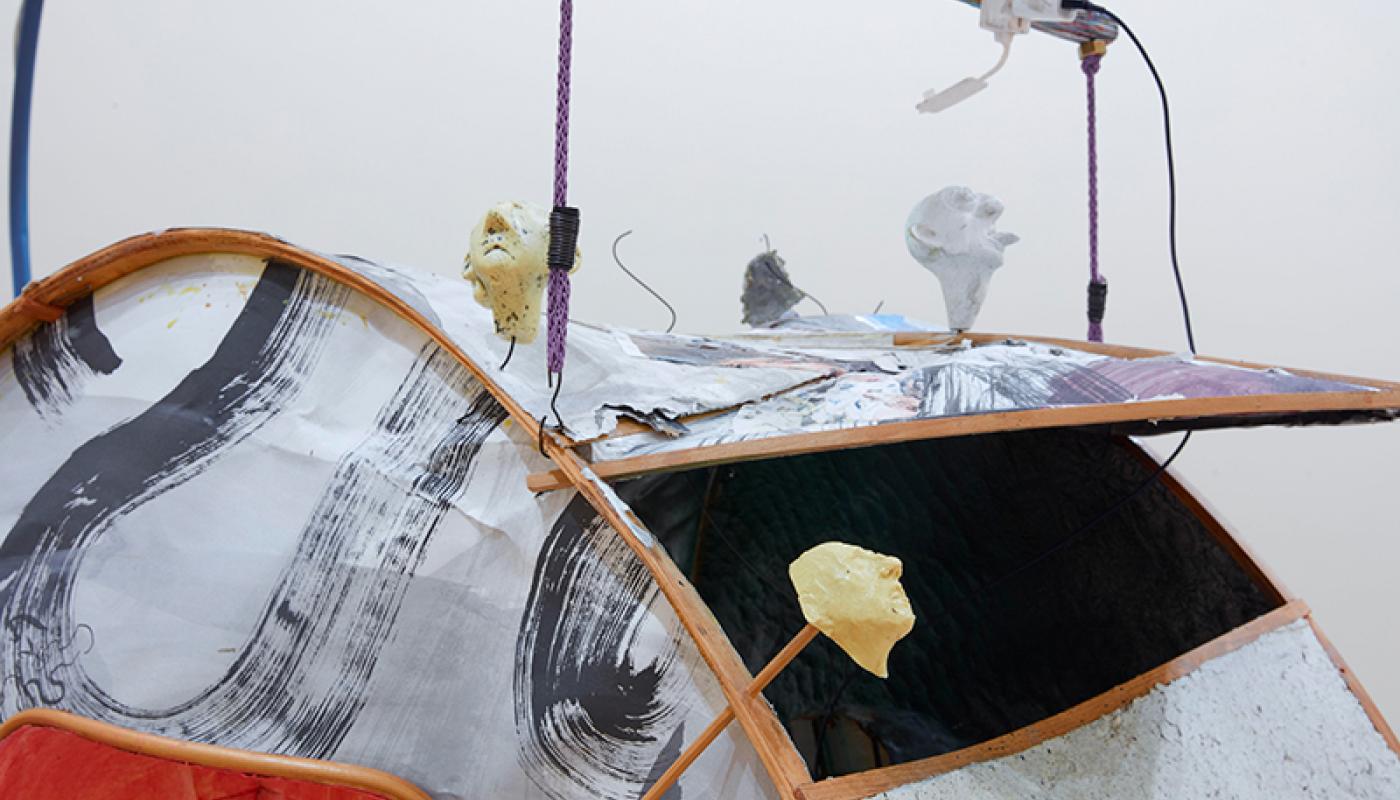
column 54, row 362
column 257, row 367
column 301, row 678
column 669, row 755
column 592, row 722
column 88, row 340
column 115, row 468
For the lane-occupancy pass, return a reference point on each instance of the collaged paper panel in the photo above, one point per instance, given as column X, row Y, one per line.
column 875, row 387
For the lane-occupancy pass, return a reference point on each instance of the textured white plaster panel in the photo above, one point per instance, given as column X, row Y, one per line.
column 1272, row 720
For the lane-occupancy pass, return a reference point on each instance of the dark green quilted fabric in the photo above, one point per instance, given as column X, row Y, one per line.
column 998, row 644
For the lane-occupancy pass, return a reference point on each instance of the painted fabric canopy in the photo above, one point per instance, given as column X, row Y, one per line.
column 280, row 502
column 248, row 505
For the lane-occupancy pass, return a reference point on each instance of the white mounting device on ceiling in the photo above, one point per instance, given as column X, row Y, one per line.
column 1005, row 19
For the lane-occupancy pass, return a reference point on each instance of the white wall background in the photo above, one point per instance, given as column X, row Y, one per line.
column 385, row 129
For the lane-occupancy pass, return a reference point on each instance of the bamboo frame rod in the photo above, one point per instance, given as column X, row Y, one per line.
column 802, row 443
column 784, row 657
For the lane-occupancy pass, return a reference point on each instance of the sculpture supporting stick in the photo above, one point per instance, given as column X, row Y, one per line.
column 799, row 642
column 846, row 592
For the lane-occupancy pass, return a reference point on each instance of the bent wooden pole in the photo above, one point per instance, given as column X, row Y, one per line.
column 668, row 778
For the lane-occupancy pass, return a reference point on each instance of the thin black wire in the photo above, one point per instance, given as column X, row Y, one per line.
column 819, row 767
column 708, row 520
column 553, row 405
column 815, row 300
column 772, row 268
column 1089, row 526
column 641, row 282
column 509, row 353
column 1171, row 158
column 778, row 589
column 1180, row 289
column 553, row 401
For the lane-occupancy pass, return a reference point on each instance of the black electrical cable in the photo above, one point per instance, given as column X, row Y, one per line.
column 1084, row 529
column 509, row 353
column 819, row 303
column 819, row 767
column 1084, row 5
column 1180, row 288
column 1181, row 293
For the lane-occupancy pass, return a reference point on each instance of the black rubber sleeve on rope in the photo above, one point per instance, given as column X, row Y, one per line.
column 563, row 237
column 1098, row 300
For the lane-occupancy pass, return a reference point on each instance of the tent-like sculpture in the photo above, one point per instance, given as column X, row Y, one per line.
column 283, row 502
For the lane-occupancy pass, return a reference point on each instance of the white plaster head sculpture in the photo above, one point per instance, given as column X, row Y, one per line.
column 952, row 233
column 507, row 265
column 854, row 596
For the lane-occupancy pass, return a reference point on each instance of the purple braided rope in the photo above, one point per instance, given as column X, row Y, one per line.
column 561, row 115
column 559, row 278
column 1090, row 65
column 558, row 318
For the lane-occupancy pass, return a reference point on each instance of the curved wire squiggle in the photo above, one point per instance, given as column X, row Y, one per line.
column 640, row 282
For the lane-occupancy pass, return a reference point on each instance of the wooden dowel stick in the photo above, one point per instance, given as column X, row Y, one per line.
column 668, row 778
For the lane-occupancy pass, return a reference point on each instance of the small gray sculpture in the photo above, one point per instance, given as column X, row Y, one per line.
column 768, row 290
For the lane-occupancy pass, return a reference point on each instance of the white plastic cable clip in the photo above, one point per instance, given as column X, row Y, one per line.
column 1006, row 19
column 935, row 101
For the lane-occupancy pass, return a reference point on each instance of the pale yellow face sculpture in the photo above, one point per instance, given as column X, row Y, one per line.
column 854, row 596
column 507, row 265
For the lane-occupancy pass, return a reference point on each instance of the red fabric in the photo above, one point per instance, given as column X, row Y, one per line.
column 39, row 763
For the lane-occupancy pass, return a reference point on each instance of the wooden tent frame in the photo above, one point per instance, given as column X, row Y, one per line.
column 45, row 301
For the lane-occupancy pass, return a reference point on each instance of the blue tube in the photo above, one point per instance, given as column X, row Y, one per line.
column 26, row 46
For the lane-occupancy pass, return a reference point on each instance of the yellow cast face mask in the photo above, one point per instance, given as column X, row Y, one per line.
column 507, row 266
column 854, row 596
